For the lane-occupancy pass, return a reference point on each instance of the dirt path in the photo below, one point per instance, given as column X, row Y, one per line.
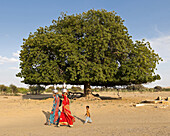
column 110, row 117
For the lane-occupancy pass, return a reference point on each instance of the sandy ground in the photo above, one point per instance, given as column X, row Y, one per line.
column 110, row 117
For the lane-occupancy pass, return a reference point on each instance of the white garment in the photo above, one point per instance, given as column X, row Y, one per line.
column 55, row 91
column 64, row 90
column 88, row 119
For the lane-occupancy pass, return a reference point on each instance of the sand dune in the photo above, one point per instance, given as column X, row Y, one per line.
column 110, row 117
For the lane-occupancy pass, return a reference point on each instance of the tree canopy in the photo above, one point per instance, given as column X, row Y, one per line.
column 93, row 47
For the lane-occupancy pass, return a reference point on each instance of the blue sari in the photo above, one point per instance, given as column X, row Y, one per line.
column 55, row 112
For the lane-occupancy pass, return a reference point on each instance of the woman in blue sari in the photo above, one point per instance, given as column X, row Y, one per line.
column 55, row 112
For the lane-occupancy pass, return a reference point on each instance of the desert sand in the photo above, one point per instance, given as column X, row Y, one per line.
column 20, row 117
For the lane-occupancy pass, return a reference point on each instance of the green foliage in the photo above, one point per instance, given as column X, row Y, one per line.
column 93, row 47
column 166, row 89
column 37, row 89
column 135, row 87
column 158, row 88
column 96, row 89
column 59, row 89
column 13, row 89
column 76, row 89
column 3, row 88
column 23, row 90
column 51, row 88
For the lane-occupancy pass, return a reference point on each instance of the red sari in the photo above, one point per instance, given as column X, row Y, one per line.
column 66, row 118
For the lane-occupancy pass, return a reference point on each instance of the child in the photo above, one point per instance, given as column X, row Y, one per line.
column 88, row 115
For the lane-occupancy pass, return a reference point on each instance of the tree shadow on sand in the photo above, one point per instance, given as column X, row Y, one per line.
column 71, row 95
column 38, row 97
column 76, row 95
column 47, row 114
column 110, row 98
column 82, row 120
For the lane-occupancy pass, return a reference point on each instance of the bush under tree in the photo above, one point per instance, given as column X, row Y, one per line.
column 137, row 87
column 3, row 88
column 36, row 89
column 158, row 88
column 13, row 89
column 76, row 89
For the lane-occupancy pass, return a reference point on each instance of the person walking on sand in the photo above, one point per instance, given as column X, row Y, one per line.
column 66, row 118
column 55, row 112
column 88, row 117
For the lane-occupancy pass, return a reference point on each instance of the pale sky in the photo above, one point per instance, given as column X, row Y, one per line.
column 148, row 19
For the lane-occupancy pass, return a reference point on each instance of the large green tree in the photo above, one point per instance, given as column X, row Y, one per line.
column 92, row 48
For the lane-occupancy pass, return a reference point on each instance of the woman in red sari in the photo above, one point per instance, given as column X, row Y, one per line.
column 66, row 118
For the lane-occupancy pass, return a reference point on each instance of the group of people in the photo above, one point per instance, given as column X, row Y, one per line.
column 63, row 117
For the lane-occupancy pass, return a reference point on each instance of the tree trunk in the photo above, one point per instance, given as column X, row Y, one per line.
column 87, row 89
